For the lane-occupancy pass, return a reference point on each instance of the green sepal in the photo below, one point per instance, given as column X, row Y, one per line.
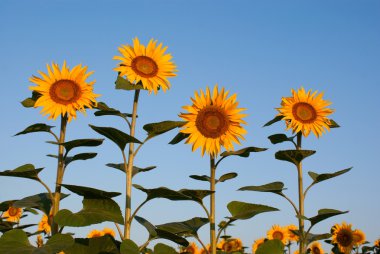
column 39, row 201
column 245, row 152
column 178, row 138
column 185, row 228
column 88, row 192
column 279, row 138
column 121, row 139
column 135, row 170
column 271, row 246
column 333, row 124
column 293, row 156
column 242, row 211
column 324, row 214
column 274, row 187
column 162, row 192
column 227, row 176
column 322, row 177
column 129, row 247
column 274, row 120
column 104, row 110
column 124, row 84
column 30, row 102
column 38, row 127
column 25, row 171
column 155, row 129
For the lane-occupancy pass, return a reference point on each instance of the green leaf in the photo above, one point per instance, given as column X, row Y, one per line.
column 81, row 142
column 227, row 176
column 99, row 245
column 94, row 211
column 56, row 244
column 135, row 170
column 271, row 247
column 204, row 178
column 293, row 156
column 15, row 242
column 333, row 124
column 124, row 84
column 129, row 247
column 196, row 195
column 245, row 152
column 279, row 138
column 155, row 129
column 178, row 138
column 324, row 214
column 24, row 171
column 161, row 248
column 29, row 102
column 38, row 127
column 275, row 187
column 40, row 201
column 312, row 237
column 162, row 192
column 274, row 120
column 322, row 177
column 185, row 228
column 242, row 211
column 120, row 138
column 104, row 110
column 149, row 226
column 88, row 192
column 80, row 156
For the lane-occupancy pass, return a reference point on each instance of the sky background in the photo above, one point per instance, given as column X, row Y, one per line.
column 257, row 49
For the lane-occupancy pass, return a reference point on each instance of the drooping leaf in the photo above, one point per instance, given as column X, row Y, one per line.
column 94, row 211
column 279, row 138
column 271, row 247
column 104, row 110
column 135, row 170
column 227, row 176
column 178, row 138
column 322, row 177
column 79, row 156
column 204, row 178
column 245, row 152
column 324, row 214
column 333, row 124
column 274, row 120
column 185, row 228
column 120, row 138
column 155, row 129
column 124, row 84
column 293, row 156
column 79, row 143
column 24, row 171
column 99, row 245
column 196, row 195
column 40, row 201
column 149, row 226
column 162, row 192
column 161, row 248
column 88, row 192
column 38, row 127
column 275, row 187
column 242, row 211
column 129, row 247
column 15, row 242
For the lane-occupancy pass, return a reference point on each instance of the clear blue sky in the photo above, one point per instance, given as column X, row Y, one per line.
column 257, row 49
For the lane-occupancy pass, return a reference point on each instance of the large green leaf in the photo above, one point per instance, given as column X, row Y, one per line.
column 322, row 177
column 185, row 228
column 279, row 138
column 162, row 192
column 161, row 248
column 196, row 195
column 94, row 211
column 24, row 171
column 120, row 138
column 15, row 242
column 155, row 129
column 178, row 138
column 275, row 187
column 56, row 243
column 38, row 127
column 324, row 214
column 293, row 156
column 242, row 211
column 80, row 142
column 97, row 245
column 40, row 201
column 124, row 84
column 274, row 120
column 245, row 152
column 88, row 192
column 149, row 226
column 271, row 247
column 135, row 170
column 104, row 110
column 227, row 176
column 129, row 247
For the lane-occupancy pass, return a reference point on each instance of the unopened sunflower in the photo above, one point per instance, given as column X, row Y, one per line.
column 213, row 120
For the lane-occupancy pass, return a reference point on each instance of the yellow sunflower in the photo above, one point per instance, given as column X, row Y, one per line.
column 192, row 248
column 359, row 237
column 305, row 112
column 213, row 121
column 377, row 243
column 109, row 231
column 279, row 233
column 13, row 214
column 256, row 244
column 292, row 236
column 95, row 233
column 316, row 248
column 43, row 225
column 230, row 245
column 64, row 91
column 343, row 236
column 148, row 65
column 205, row 251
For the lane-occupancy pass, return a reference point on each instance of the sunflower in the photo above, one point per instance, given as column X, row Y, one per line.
column 305, row 112
column 279, row 233
column 148, row 65
column 230, row 245
column 292, row 236
column 95, row 233
column 343, row 236
column 109, row 231
column 43, row 225
column 359, row 237
column 316, row 248
column 13, row 214
column 191, row 249
column 377, row 243
column 213, row 121
column 64, row 91
column 205, row 250
column 256, row 244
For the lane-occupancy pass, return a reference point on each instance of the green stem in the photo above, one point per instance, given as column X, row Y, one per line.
column 128, row 168
column 212, row 205
column 301, row 199
column 203, row 245
column 60, row 172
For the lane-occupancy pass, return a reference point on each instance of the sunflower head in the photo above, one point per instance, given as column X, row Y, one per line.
column 148, row 65
column 316, row 248
column 377, row 243
column 343, row 236
column 43, row 225
column 13, row 214
column 191, row 249
column 95, row 233
column 109, row 231
column 359, row 237
column 213, row 120
column 279, row 233
column 206, row 250
column 63, row 92
column 230, row 245
column 306, row 112
column 256, row 244
column 292, row 236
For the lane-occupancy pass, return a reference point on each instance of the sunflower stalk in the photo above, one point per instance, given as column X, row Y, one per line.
column 212, row 205
column 301, row 199
column 60, row 172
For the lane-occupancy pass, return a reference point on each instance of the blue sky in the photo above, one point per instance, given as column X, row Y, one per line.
column 257, row 49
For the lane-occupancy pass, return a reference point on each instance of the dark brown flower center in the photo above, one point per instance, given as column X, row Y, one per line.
column 12, row 211
column 144, row 66
column 65, row 92
column 344, row 238
column 304, row 112
column 316, row 250
column 212, row 122
column 278, row 235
